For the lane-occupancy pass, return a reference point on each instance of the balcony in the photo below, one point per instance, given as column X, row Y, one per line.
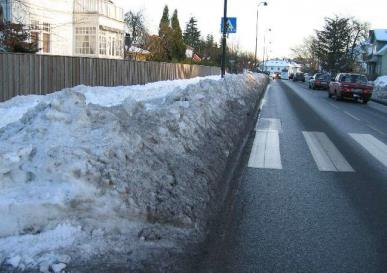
column 100, row 7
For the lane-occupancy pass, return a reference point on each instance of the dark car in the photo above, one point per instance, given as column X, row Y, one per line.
column 276, row 75
column 299, row 77
column 351, row 86
column 320, row 81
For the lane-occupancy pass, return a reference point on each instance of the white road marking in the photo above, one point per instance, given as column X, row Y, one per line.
column 374, row 146
column 376, row 129
column 265, row 153
column 264, row 99
column 327, row 157
column 352, row 116
column 335, row 106
column 269, row 124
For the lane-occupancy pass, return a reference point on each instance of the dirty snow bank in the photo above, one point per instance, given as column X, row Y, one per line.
column 111, row 179
column 380, row 89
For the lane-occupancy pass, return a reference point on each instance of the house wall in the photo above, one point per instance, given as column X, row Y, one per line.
column 59, row 19
column 108, row 29
column 383, row 65
column 56, row 16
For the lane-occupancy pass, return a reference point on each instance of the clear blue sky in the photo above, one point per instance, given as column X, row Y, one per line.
column 290, row 20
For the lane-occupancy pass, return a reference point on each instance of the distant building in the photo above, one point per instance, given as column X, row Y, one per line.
column 91, row 28
column 281, row 66
column 377, row 53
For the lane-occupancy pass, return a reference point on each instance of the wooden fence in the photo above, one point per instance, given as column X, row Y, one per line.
column 24, row 74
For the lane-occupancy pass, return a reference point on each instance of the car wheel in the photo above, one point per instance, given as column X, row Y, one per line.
column 329, row 94
column 364, row 101
column 310, row 87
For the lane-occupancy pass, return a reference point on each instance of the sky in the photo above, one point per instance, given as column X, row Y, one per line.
column 290, row 21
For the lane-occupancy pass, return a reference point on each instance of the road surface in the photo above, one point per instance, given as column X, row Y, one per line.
column 313, row 193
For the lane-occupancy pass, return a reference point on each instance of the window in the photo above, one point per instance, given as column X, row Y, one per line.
column 46, row 27
column 46, row 43
column 353, row 78
column 34, row 25
column 85, row 40
column 102, row 44
column 35, row 38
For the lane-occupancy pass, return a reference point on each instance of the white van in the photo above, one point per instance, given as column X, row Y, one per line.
column 285, row 74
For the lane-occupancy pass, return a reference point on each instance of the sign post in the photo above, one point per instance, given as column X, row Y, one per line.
column 224, row 30
column 228, row 25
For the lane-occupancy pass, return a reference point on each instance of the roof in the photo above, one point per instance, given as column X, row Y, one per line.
column 137, row 50
column 280, row 63
column 380, row 34
column 382, row 51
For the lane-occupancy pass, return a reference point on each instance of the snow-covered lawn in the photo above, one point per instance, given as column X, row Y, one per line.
column 104, row 179
column 380, row 89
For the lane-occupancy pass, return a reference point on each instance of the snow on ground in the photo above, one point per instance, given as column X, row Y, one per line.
column 380, row 89
column 13, row 110
column 109, row 179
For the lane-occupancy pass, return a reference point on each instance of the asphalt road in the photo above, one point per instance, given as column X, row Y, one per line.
column 313, row 193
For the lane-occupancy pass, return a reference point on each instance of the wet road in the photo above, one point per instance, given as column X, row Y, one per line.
column 313, row 193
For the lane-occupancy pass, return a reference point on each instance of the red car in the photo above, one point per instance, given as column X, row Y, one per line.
column 320, row 81
column 350, row 86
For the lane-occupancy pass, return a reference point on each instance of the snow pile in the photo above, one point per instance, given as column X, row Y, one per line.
column 109, row 179
column 380, row 89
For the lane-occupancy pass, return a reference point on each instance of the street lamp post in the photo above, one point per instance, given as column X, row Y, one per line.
column 264, row 47
column 256, row 34
column 224, row 30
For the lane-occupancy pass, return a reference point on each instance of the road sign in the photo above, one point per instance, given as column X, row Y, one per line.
column 231, row 24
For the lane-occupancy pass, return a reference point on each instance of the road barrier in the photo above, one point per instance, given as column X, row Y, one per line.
column 25, row 74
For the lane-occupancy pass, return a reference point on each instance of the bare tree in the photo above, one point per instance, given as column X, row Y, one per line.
column 306, row 53
column 135, row 22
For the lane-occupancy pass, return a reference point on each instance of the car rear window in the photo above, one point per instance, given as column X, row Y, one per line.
column 354, row 79
column 323, row 77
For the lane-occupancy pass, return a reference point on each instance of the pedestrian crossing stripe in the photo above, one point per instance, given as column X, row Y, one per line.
column 265, row 153
column 326, row 155
column 374, row 146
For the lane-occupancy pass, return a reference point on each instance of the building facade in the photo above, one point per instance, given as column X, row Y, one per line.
column 281, row 66
column 88, row 28
column 377, row 53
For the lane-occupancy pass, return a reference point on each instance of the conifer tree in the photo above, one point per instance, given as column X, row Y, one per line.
column 16, row 38
column 178, row 47
column 192, row 34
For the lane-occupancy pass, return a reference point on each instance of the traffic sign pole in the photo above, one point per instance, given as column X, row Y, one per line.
column 224, row 39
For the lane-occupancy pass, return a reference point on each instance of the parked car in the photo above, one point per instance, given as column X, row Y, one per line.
column 276, row 75
column 299, row 77
column 307, row 77
column 320, row 81
column 351, row 86
column 291, row 75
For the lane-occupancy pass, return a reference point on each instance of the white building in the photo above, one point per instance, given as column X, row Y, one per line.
column 281, row 66
column 91, row 28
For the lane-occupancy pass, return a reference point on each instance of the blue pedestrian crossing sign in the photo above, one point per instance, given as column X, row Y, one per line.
column 231, row 26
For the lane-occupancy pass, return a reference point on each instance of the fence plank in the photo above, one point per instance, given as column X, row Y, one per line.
column 23, row 74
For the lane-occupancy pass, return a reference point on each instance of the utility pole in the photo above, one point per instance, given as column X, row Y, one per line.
column 264, row 48
column 224, row 39
column 256, row 33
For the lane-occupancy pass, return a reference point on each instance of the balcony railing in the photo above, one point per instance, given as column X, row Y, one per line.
column 102, row 7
